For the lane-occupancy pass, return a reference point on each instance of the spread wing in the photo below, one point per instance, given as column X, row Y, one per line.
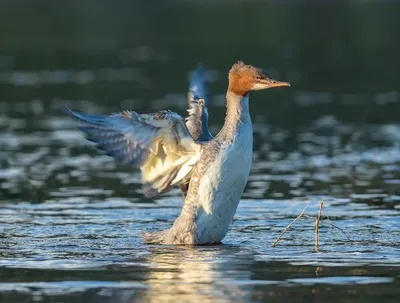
column 197, row 120
column 158, row 143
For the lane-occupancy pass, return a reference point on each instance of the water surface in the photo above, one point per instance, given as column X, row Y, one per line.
column 70, row 218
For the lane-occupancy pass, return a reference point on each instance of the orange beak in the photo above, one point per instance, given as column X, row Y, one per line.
column 275, row 83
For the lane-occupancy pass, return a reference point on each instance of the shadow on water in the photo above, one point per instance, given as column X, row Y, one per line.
column 70, row 217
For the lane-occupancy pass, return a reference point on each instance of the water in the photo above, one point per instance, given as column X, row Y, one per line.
column 70, row 218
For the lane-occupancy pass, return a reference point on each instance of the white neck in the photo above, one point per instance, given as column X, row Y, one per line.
column 237, row 113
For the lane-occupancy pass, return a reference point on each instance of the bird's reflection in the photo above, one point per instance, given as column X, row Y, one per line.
column 197, row 274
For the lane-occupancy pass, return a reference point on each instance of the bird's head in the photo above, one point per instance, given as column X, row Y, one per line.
column 246, row 78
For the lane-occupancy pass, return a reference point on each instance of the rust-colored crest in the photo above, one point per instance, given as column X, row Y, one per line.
column 241, row 78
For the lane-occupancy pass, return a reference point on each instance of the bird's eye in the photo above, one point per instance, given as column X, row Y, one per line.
column 259, row 77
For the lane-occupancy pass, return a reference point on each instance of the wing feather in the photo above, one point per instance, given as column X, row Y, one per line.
column 197, row 120
column 158, row 143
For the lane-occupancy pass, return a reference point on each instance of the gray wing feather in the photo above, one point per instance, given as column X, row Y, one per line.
column 159, row 144
column 197, row 120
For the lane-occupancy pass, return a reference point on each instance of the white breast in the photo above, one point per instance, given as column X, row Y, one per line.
column 222, row 186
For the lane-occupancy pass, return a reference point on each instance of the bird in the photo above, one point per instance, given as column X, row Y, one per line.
column 172, row 151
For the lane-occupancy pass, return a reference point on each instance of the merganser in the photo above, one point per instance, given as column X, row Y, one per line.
column 171, row 151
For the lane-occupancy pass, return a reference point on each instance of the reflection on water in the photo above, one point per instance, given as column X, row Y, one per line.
column 70, row 217
column 191, row 273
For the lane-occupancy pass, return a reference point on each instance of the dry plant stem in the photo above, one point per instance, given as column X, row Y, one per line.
column 317, row 223
column 287, row 227
column 330, row 223
column 338, row 228
column 316, row 233
column 333, row 225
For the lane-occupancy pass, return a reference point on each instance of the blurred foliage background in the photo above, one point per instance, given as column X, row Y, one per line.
column 342, row 57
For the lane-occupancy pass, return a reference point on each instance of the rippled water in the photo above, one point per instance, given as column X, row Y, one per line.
column 71, row 217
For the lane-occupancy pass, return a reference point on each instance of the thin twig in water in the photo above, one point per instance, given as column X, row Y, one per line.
column 287, row 227
column 317, row 223
column 333, row 225
column 338, row 228
column 316, row 234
